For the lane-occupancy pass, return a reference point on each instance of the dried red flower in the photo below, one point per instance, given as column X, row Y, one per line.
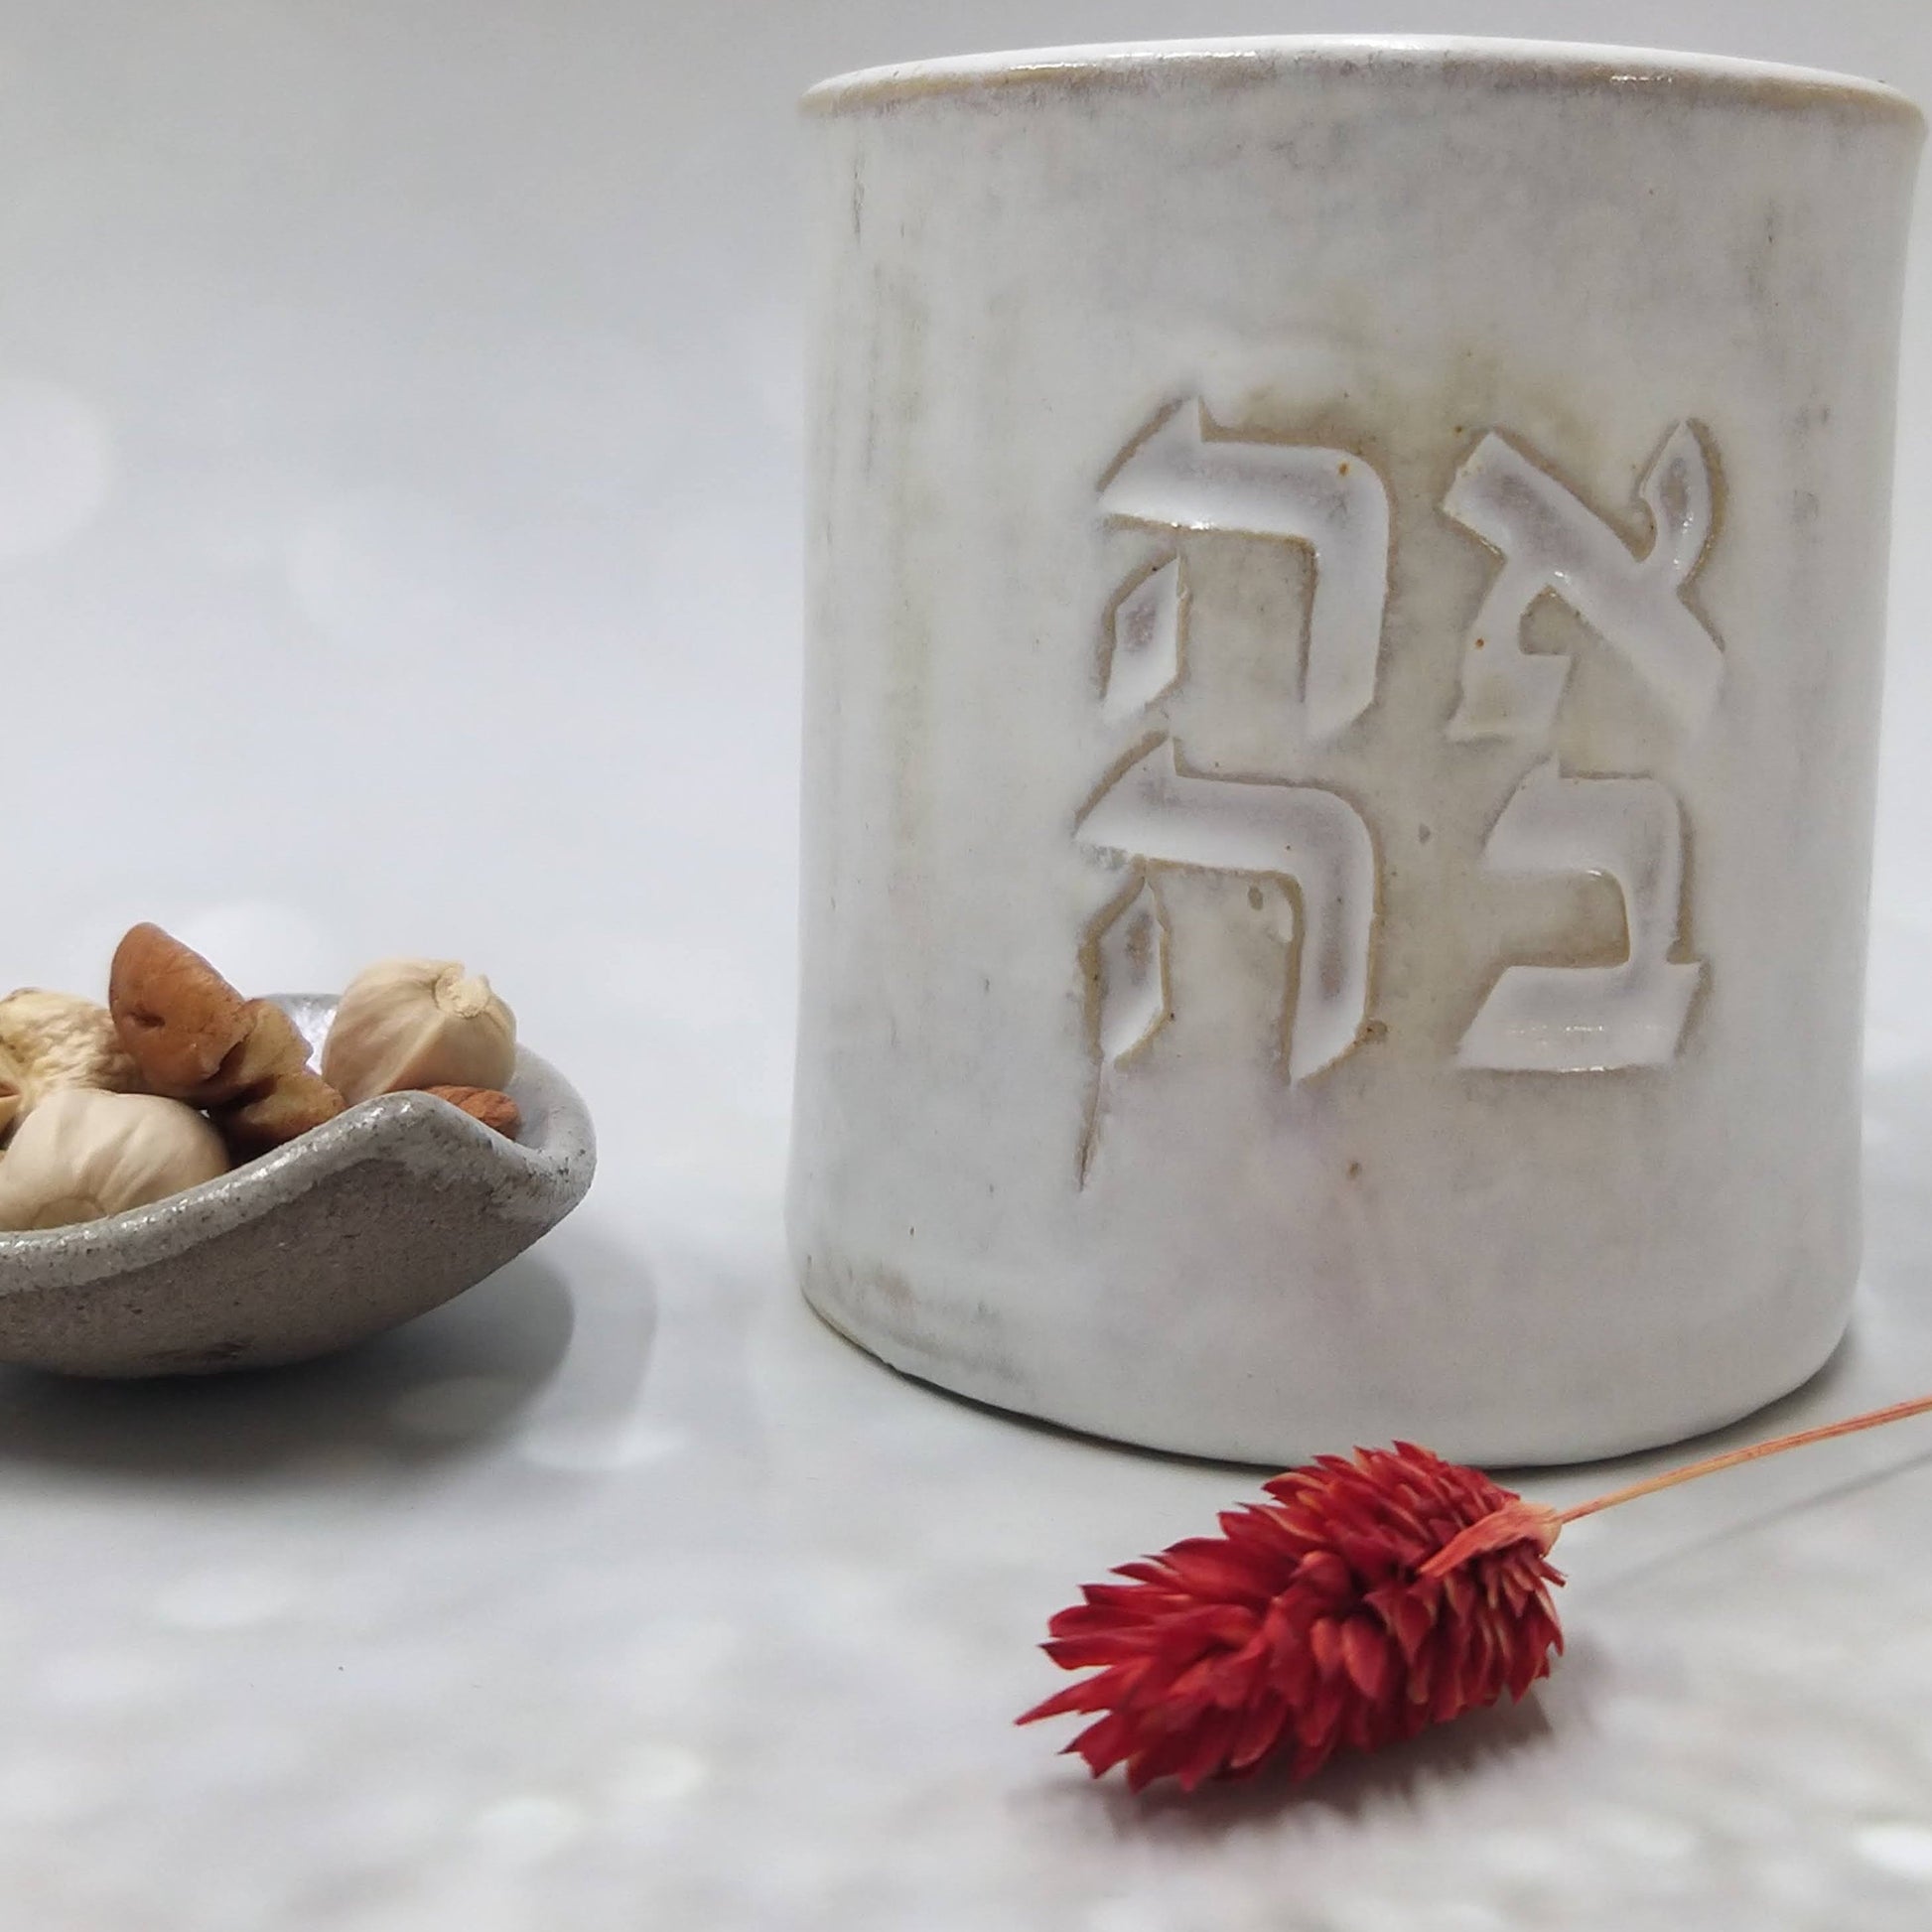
column 1366, row 1601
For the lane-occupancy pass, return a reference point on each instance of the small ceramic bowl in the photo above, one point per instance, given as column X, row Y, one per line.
column 388, row 1211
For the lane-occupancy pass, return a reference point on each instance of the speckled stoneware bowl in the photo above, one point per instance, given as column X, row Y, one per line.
column 385, row 1213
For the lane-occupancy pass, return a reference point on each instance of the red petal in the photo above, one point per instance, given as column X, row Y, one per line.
column 1104, row 1744
column 1116, row 1647
column 1118, row 1683
column 1205, row 1685
column 1422, row 1676
column 1226, row 1626
column 1158, row 1757
column 1085, row 1619
column 1324, row 1646
column 1087, row 1694
column 1324, row 1574
column 1366, row 1654
column 1211, row 1565
column 1318, row 1723
column 1370, row 1551
column 1210, row 1752
column 1262, row 1533
column 1407, row 1617
column 1301, row 1523
column 1259, row 1733
column 1112, row 1597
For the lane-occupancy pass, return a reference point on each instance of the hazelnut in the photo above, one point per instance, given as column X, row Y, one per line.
column 418, row 1022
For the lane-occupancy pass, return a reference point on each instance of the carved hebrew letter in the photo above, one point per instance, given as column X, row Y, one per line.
column 1549, row 541
column 1294, row 833
column 1591, row 1018
column 1126, row 964
column 1149, row 637
column 1185, row 477
column 1127, row 971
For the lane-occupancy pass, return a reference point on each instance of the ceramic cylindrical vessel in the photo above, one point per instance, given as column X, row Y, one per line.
column 1347, row 589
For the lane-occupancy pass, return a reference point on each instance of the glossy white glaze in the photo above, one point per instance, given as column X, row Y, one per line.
column 1346, row 584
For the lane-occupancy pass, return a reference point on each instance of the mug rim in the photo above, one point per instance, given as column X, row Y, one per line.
column 1246, row 58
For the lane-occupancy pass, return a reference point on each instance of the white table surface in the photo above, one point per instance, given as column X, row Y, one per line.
column 398, row 510
column 623, row 1594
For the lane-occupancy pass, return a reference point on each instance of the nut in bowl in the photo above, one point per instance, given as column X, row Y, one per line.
column 131, row 1252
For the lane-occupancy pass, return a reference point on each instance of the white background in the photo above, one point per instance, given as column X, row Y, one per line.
column 399, row 506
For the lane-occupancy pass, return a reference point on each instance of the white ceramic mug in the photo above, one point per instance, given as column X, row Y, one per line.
column 1346, row 587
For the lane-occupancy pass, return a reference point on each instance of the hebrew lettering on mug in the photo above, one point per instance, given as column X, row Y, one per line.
column 1150, row 639
column 1189, row 476
column 1550, row 542
column 1591, row 1018
column 1310, row 843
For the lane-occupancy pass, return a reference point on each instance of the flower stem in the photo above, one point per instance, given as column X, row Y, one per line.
column 1732, row 1457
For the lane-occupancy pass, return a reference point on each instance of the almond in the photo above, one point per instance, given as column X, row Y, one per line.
column 486, row 1104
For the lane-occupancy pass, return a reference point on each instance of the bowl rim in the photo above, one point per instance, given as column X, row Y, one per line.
column 418, row 1129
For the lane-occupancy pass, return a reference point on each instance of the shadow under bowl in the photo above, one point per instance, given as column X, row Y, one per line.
column 391, row 1209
